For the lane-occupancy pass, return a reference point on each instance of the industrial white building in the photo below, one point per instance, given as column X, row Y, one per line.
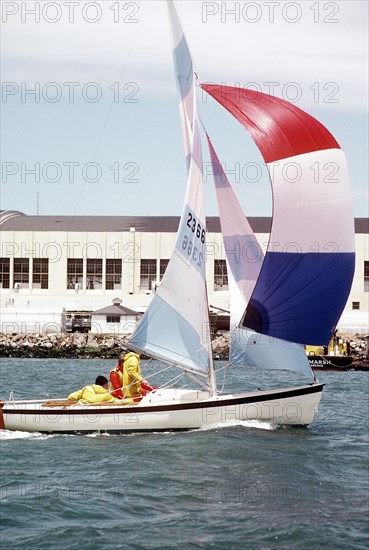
column 56, row 267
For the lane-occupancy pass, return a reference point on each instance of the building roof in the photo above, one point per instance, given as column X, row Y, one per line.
column 16, row 221
column 11, row 220
column 114, row 309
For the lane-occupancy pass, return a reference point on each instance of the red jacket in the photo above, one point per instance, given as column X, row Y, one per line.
column 116, row 382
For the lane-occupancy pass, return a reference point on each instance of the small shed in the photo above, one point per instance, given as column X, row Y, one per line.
column 115, row 319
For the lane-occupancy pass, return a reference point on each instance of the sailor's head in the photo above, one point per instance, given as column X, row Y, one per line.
column 101, row 381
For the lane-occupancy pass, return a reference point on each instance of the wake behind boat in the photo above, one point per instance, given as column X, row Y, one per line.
column 293, row 295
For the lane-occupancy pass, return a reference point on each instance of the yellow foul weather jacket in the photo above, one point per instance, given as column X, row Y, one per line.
column 95, row 394
column 132, row 375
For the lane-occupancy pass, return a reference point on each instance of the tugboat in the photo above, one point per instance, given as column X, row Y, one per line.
column 337, row 356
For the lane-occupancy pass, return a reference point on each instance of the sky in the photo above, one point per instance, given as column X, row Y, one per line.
column 89, row 110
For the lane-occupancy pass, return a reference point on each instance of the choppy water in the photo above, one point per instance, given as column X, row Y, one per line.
column 246, row 486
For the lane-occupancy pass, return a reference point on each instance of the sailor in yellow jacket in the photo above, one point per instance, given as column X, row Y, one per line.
column 133, row 383
column 97, row 393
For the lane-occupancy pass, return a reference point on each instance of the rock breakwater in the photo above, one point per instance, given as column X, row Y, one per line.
column 60, row 345
column 102, row 346
column 78, row 345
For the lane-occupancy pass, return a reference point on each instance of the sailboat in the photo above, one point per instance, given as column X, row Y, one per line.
column 292, row 295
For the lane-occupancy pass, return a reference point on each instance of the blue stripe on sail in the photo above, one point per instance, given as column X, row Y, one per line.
column 264, row 352
column 165, row 334
column 191, row 239
column 300, row 297
column 183, row 67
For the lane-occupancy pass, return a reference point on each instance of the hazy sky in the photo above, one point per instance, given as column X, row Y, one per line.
column 89, row 108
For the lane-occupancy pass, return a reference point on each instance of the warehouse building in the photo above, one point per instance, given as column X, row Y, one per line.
column 66, row 273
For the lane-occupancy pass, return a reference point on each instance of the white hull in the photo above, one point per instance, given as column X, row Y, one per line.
column 165, row 410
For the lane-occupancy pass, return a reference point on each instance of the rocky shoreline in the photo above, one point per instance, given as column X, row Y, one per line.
column 88, row 346
column 77, row 345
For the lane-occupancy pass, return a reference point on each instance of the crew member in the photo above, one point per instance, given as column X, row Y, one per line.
column 97, row 393
column 134, row 385
column 116, row 378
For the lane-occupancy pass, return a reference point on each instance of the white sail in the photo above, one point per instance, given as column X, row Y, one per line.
column 244, row 256
column 185, row 79
column 176, row 326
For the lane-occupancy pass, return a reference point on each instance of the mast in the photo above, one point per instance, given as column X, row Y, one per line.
column 212, row 376
column 212, row 380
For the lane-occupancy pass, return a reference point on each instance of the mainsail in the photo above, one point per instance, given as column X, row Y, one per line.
column 185, row 79
column 307, row 273
column 175, row 327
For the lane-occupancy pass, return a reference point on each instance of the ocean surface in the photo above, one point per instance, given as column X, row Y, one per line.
column 248, row 485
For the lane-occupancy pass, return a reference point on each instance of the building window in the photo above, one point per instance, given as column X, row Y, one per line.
column 21, row 272
column 355, row 305
column 220, row 275
column 40, row 273
column 148, row 274
column 113, row 274
column 94, row 274
column 74, row 273
column 113, row 318
column 163, row 266
column 366, row 276
column 4, row 272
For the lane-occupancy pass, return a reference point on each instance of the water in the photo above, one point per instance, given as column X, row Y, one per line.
column 249, row 485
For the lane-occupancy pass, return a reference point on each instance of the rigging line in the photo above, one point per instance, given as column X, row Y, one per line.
column 143, row 367
column 151, row 376
column 228, row 332
column 158, row 372
column 228, row 365
column 171, row 382
column 225, row 367
column 111, row 105
column 200, row 119
column 203, row 384
column 211, row 343
column 181, row 356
